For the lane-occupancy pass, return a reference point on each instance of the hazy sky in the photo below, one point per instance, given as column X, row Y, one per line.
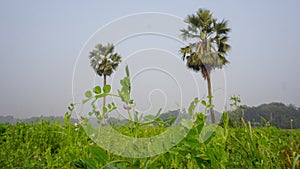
column 41, row 40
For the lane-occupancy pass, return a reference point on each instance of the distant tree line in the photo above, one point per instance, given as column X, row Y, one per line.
column 10, row 119
column 273, row 114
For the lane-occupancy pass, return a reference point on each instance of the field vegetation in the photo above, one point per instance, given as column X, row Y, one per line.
column 52, row 144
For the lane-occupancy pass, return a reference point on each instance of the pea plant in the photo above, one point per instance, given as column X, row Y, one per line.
column 129, row 104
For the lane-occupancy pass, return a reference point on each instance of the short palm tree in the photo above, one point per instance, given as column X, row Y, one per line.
column 104, row 61
column 209, row 47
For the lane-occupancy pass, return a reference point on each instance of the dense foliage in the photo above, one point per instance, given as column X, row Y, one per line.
column 53, row 145
column 273, row 114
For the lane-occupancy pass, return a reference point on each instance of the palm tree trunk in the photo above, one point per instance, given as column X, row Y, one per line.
column 212, row 113
column 104, row 83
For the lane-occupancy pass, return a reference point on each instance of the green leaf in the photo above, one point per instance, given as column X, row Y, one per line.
column 80, row 164
column 97, row 89
column 158, row 113
column 90, row 163
column 109, row 166
column 186, row 123
column 99, row 154
column 193, row 143
column 88, row 94
column 203, row 102
column 141, row 117
column 295, row 161
column 206, row 133
column 192, row 106
column 104, row 109
column 158, row 120
column 106, row 88
column 85, row 100
column 71, row 107
column 127, row 71
column 124, row 95
column 209, row 106
column 131, row 101
column 109, row 106
column 149, row 118
column 136, row 119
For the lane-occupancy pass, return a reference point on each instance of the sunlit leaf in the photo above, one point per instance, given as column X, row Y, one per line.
column 97, row 90
column 104, row 109
column 106, row 88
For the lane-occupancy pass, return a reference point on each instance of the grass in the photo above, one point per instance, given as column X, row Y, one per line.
column 53, row 145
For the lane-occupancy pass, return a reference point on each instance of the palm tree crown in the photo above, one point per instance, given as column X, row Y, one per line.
column 103, row 59
column 210, row 46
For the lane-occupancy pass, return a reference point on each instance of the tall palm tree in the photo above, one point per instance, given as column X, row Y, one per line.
column 104, row 61
column 209, row 47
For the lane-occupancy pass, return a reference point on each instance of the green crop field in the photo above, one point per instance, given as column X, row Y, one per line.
column 53, row 145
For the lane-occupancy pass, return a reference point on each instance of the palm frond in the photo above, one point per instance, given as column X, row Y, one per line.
column 103, row 59
column 212, row 41
column 185, row 51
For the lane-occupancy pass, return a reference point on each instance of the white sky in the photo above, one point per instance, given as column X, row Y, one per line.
column 40, row 42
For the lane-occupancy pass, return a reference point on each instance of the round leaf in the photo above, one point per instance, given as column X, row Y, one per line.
column 106, row 88
column 105, row 110
column 97, row 89
column 88, row 94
